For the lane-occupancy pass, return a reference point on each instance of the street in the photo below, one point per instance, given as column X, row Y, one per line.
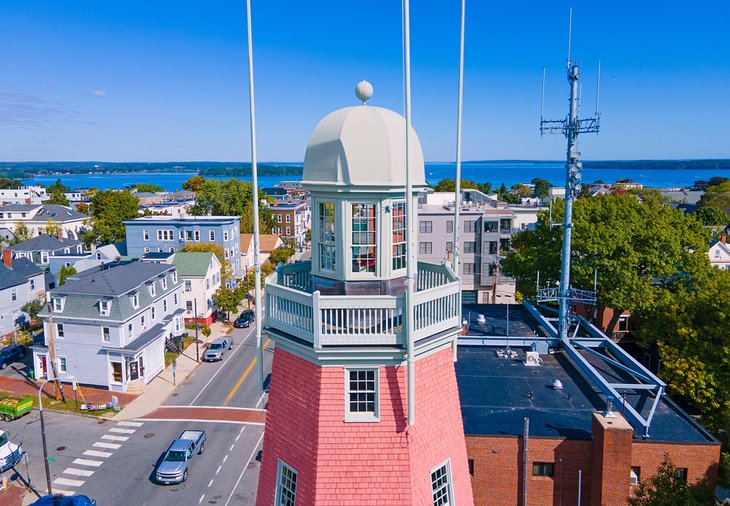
column 113, row 462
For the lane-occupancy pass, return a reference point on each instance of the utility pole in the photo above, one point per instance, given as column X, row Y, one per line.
column 197, row 324
column 570, row 127
column 52, row 349
column 43, row 437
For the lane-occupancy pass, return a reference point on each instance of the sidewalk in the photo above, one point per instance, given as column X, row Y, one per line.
column 162, row 386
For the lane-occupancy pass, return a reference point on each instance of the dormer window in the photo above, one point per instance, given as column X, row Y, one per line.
column 174, row 276
column 105, row 307
column 153, row 291
column 164, row 283
column 135, row 300
column 78, row 249
column 57, row 304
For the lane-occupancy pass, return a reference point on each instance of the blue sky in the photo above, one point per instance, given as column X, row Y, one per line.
column 132, row 80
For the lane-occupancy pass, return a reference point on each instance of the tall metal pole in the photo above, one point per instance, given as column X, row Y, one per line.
column 256, row 232
column 43, row 437
column 572, row 177
column 197, row 324
column 525, row 458
column 457, row 187
column 410, row 231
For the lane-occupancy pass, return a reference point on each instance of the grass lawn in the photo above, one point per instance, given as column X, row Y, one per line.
column 69, row 406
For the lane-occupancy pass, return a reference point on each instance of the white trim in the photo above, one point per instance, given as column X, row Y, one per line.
column 449, row 483
column 351, row 416
column 279, row 469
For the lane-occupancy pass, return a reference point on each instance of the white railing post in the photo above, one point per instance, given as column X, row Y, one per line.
column 316, row 321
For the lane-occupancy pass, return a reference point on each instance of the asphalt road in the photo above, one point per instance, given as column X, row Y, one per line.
column 114, row 462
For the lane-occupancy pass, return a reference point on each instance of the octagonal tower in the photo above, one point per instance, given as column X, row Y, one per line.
column 336, row 427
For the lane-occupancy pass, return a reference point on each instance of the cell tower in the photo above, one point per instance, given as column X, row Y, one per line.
column 570, row 127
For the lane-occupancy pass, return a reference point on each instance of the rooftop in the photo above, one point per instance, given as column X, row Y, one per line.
column 10, row 278
column 25, row 267
column 192, row 264
column 187, row 220
column 112, row 281
column 44, row 242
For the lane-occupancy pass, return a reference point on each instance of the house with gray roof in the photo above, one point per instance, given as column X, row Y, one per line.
column 13, row 295
column 41, row 218
column 201, row 276
column 109, row 325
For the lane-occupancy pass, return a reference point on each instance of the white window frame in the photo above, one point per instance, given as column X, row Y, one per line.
column 105, row 307
column 106, row 337
column 279, row 500
column 196, row 234
column 449, row 499
column 14, row 294
column 225, row 235
column 146, row 250
column 60, row 332
column 188, row 285
column 174, row 276
column 164, row 305
column 211, row 235
column 153, row 290
column 164, row 283
column 44, row 257
column 355, row 416
column 145, row 235
column 135, row 300
column 32, row 283
column 62, row 364
column 57, row 304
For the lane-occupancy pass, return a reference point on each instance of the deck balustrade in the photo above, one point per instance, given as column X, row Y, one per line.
column 341, row 320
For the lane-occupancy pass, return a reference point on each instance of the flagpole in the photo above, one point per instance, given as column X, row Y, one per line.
column 457, row 187
column 255, row 205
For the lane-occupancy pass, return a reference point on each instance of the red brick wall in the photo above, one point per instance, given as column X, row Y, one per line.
column 497, row 476
column 701, row 461
column 611, row 461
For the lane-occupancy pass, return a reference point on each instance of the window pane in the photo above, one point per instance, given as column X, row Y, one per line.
column 364, row 249
column 327, row 236
column 399, row 235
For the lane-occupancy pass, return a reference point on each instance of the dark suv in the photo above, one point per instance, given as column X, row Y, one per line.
column 244, row 321
column 11, row 354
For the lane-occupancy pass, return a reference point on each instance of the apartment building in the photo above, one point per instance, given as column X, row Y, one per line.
column 293, row 219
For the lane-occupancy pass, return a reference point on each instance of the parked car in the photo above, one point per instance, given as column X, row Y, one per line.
column 228, row 340
column 174, row 466
column 245, row 320
column 11, row 354
column 74, row 500
column 216, row 350
column 10, row 453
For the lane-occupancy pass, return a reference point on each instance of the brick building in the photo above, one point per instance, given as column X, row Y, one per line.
column 293, row 218
column 572, row 443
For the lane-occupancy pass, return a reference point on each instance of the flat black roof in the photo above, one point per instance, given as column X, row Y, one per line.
column 497, row 394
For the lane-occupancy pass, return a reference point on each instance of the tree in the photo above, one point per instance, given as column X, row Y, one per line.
column 232, row 197
column 281, row 255
column 641, row 250
column 195, row 184
column 521, row 190
column 668, row 488
column 625, row 180
column 542, row 186
column 148, row 187
column 717, row 196
column 449, row 185
column 227, row 299
column 51, row 227
column 9, row 184
column 212, row 247
column 710, row 216
column 57, row 191
column 32, row 308
column 717, row 180
column 21, row 232
column 65, row 273
column 109, row 210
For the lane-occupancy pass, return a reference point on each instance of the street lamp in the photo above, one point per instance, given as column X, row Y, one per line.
column 43, row 437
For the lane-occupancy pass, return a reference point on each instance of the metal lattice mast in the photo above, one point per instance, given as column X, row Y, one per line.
column 570, row 127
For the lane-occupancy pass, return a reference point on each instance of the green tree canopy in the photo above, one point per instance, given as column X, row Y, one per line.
column 232, row 197
column 449, row 185
column 9, row 184
column 148, row 187
column 195, row 184
column 712, row 216
column 57, row 191
column 65, row 272
column 668, row 488
column 109, row 210
column 227, row 299
column 717, row 196
column 542, row 186
column 21, row 232
column 640, row 249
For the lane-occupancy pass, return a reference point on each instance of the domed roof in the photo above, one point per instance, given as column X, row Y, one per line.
column 362, row 146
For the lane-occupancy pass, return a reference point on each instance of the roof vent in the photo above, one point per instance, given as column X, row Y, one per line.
column 557, row 385
column 532, row 359
column 609, row 408
column 481, row 319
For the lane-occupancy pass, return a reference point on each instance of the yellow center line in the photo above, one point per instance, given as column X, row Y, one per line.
column 243, row 377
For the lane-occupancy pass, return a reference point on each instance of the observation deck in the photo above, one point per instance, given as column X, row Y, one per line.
column 321, row 321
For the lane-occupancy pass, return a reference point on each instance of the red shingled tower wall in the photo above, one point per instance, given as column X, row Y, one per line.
column 384, row 462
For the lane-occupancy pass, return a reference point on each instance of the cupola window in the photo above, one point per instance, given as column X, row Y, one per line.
column 364, row 249
column 399, row 235
column 327, row 236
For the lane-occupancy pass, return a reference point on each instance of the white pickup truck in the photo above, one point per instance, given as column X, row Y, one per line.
column 10, row 453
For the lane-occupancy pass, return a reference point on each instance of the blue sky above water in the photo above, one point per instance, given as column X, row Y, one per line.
column 164, row 80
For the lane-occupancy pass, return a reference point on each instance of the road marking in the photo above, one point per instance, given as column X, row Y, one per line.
column 261, row 399
column 63, row 492
column 243, row 377
column 68, row 482
column 232, row 408
column 255, row 449
column 114, row 438
column 219, row 469
column 231, row 448
column 130, row 424
column 211, row 482
column 200, row 420
column 94, row 453
column 222, row 365
column 201, row 498
column 87, row 462
column 111, row 446
column 122, row 431
column 78, row 472
column 225, row 458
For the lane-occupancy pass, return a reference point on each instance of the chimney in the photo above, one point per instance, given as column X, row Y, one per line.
column 8, row 258
column 610, row 459
column 59, row 233
column 464, row 327
column 723, row 238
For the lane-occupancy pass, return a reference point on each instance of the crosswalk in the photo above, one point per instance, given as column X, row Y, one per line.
column 83, row 467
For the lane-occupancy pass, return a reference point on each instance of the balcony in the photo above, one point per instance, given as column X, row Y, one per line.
column 344, row 320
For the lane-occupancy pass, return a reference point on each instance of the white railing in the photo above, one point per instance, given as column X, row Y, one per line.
column 337, row 320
